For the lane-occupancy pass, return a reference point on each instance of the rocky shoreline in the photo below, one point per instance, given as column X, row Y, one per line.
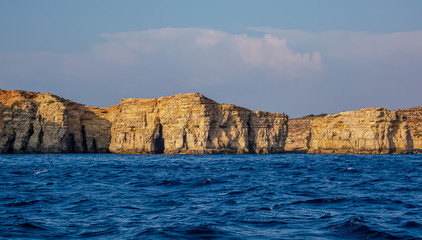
column 193, row 124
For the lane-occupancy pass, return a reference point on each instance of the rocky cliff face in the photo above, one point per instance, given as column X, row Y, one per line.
column 414, row 120
column 185, row 123
column 45, row 123
column 192, row 123
column 366, row 131
column 299, row 135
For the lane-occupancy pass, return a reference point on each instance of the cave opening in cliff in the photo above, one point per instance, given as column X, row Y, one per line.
column 84, row 144
column 71, row 143
column 26, row 138
column 251, row 137
column 10, row 143
column 159, row 141
column 94, row 145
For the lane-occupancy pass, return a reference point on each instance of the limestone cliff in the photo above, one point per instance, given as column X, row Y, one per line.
column 366, row 131
column 192, row 123
column 45, row 123
column 299, row 134
column 185, row 123
column 414, row 119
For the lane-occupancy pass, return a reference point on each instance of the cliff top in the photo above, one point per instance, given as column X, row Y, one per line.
column 12, row 97
column 9, row 97
column 195, row 97
column 180, row 95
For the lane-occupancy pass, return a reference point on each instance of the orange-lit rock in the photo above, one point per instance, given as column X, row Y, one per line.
column 365, row 131
column 185, row 123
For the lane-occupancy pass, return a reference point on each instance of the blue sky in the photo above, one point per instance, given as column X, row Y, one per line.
column 297, row 56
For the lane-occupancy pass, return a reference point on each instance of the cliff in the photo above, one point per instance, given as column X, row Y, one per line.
column 365, row 131
column 414, row 120
column 185, row 123
column 45, row 123
column 299, row 134
column 192, row 123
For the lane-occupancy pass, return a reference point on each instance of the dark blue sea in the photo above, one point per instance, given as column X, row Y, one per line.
column 285, row 196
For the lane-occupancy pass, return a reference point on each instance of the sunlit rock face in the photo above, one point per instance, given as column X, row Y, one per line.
column 45, row 123
column 186, row 123
column 365, row 131
column 298, row 135
column 192, row 123
column 414, row 119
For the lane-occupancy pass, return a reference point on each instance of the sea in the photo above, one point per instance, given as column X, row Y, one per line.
column 274, row 196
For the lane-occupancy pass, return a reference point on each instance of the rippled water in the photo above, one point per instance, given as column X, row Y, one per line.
column 286, row 196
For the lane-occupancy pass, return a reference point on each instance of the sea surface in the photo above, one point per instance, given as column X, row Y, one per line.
column 281, row 196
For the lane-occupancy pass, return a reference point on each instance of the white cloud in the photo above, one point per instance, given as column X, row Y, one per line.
column 160, row 62
column 268, row 54
column 273, row 53
column 358, row 48
column 284, row 70
column 362, row 69
column 209, row 38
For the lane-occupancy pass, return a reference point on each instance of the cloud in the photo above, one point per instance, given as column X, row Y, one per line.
column 292, row 71
column 272, row 53
column 363, row 50
column 362, row 69
column 268, row 54
column 159, row 62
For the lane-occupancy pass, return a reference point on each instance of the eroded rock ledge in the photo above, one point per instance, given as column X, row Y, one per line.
column 414, row 120
column 365, row 131
column 185, row 123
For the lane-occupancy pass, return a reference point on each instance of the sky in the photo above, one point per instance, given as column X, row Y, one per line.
column 297, row 57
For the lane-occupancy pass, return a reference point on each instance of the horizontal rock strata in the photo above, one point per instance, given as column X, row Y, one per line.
column 298, row 135
column 366, row 131
column 185, row 123
column 45, row 123
column 414, row 120
column 192, row 123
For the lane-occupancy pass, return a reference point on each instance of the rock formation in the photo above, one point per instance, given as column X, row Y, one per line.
column 298, row 135
column 414, row 120
column 366, row 131
column 185, row 123
column 45, row 123
column 192, row 123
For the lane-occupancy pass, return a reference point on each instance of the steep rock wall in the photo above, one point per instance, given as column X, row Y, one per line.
column 186, row 123
column 299, row 135
column 45, row 123
column 192, row 123
column 366, row 131
column 414, row 119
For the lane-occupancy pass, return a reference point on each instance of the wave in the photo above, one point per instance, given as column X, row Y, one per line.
column 320, row 201
column 270, row 223
column 169, row 183
column 31, row 226
column 411, row 224
column 357, row 229
column 22, row 203
column 201, row 231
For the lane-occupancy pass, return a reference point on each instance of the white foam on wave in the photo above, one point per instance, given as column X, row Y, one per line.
column 42, row 171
